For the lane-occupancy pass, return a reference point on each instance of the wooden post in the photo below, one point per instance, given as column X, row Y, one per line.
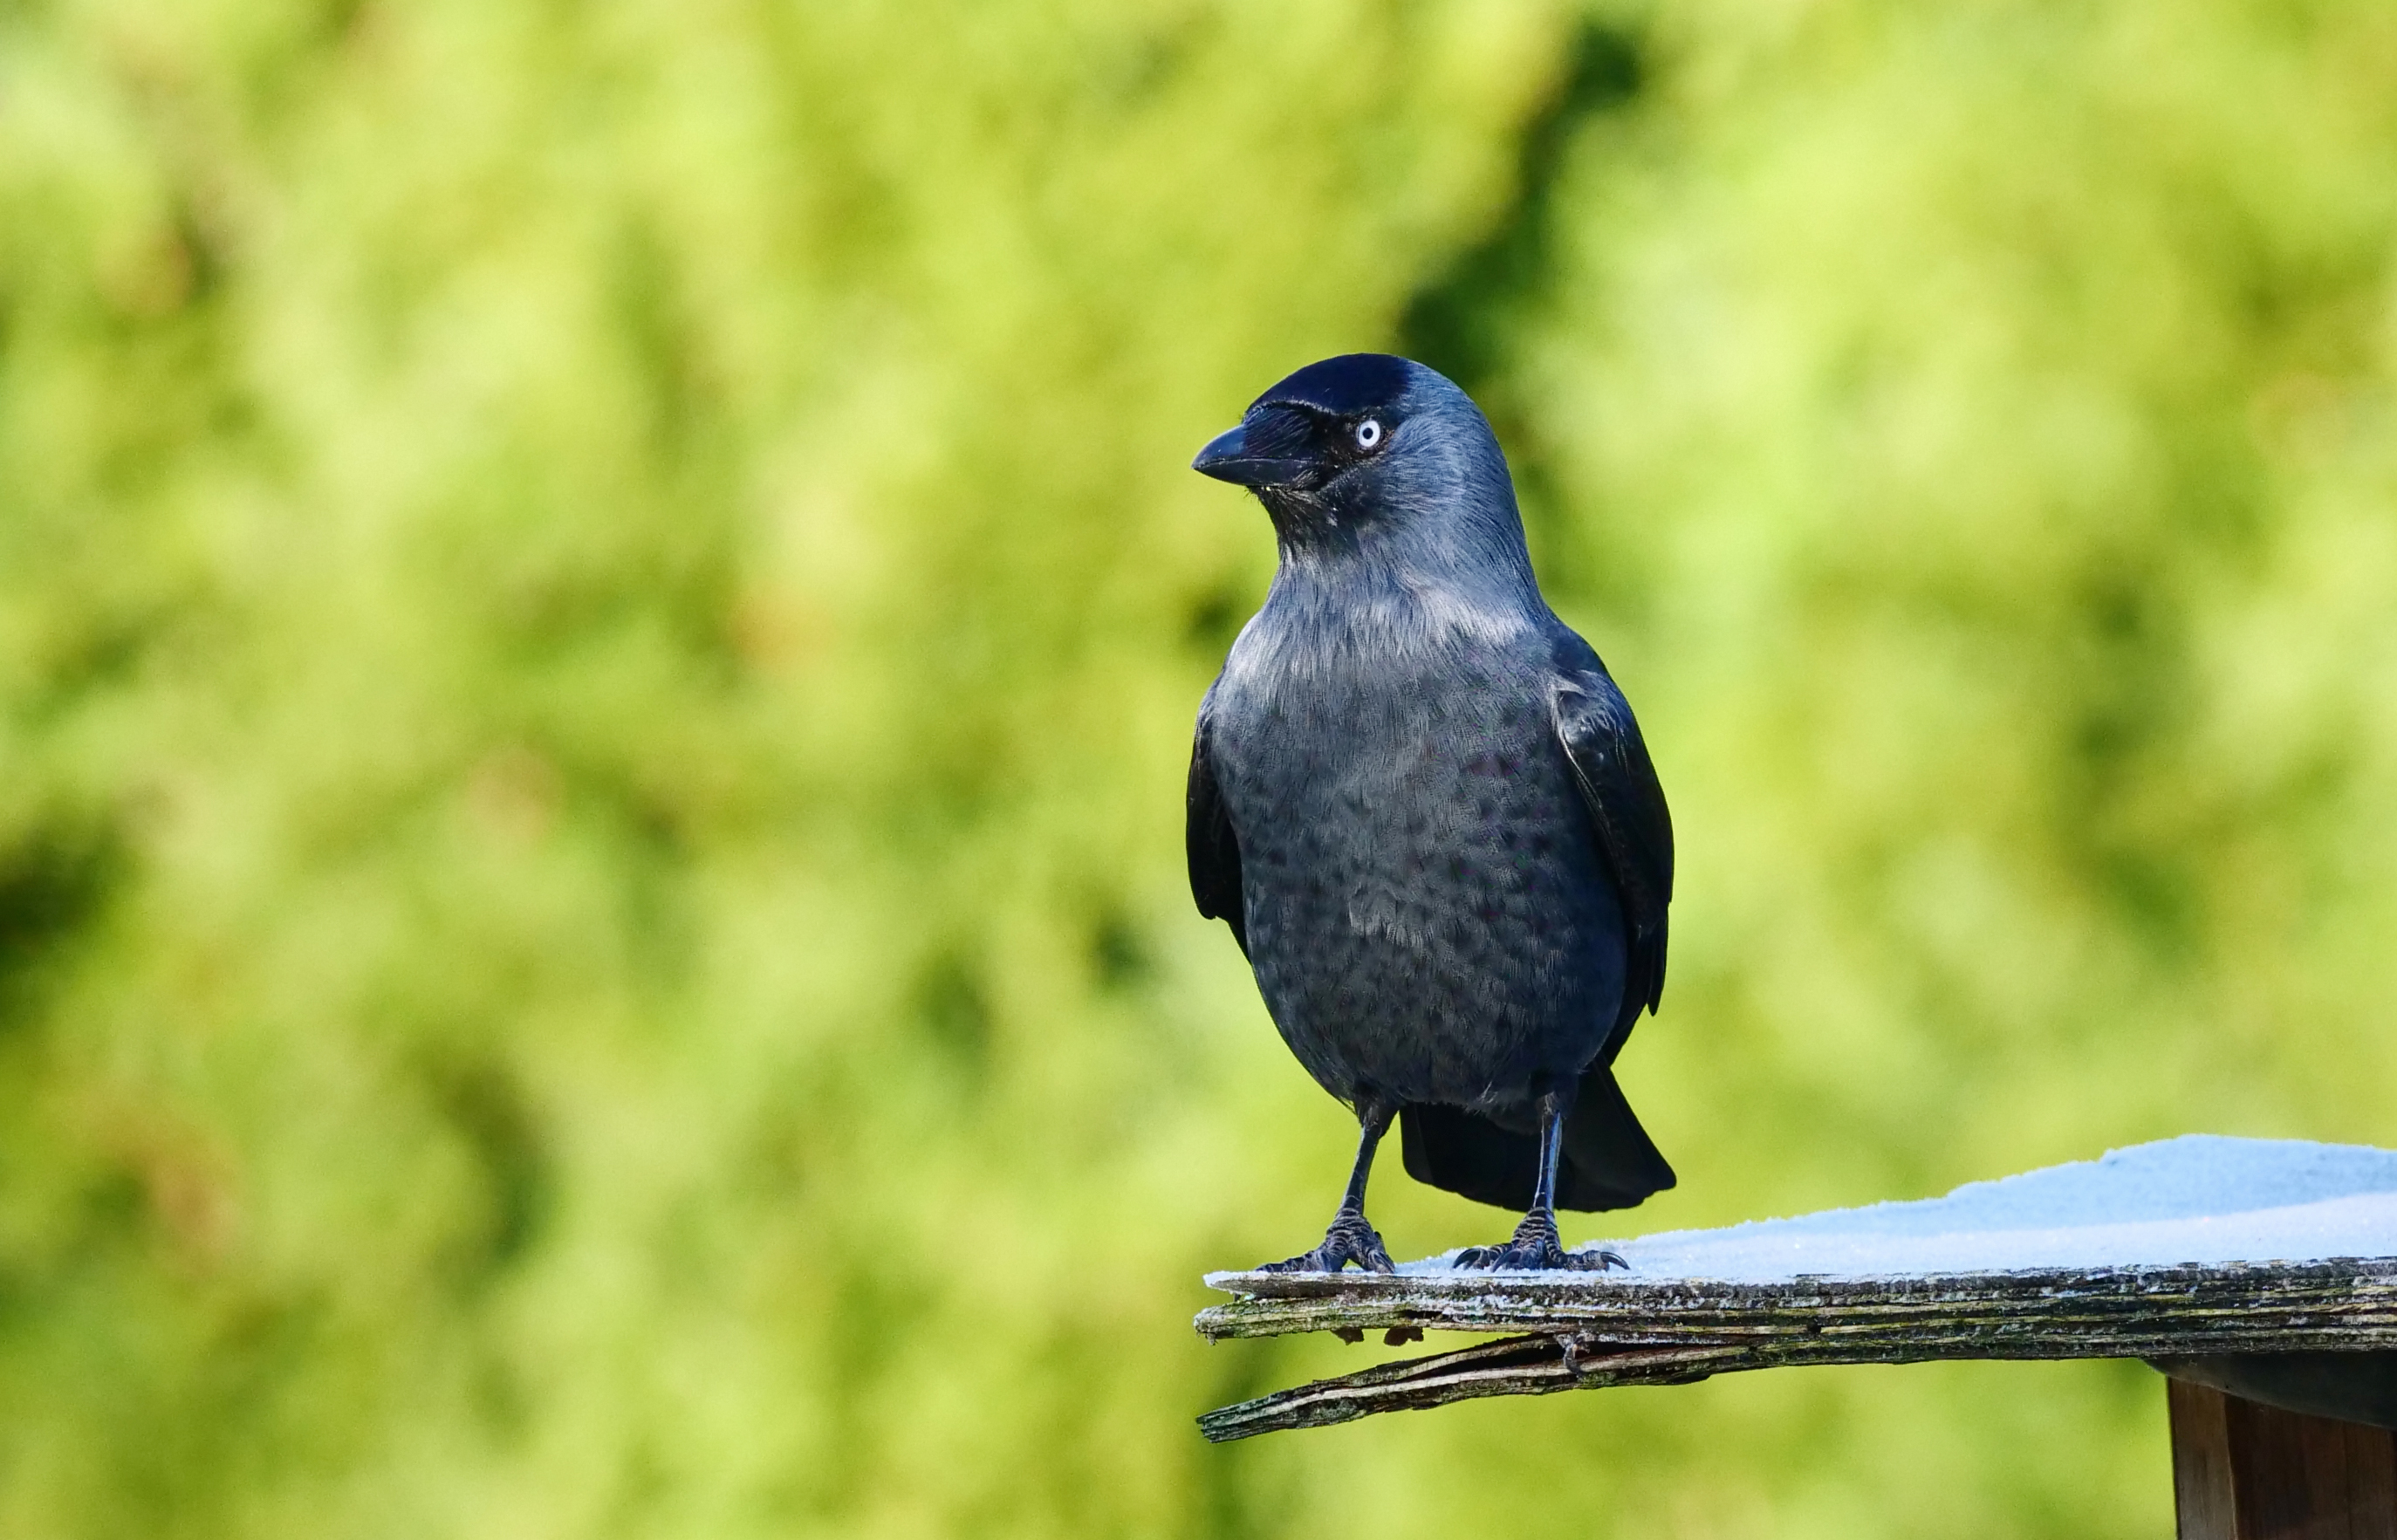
column 2246, row 1471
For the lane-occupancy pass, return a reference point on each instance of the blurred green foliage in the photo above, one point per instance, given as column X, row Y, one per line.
column 599, row 609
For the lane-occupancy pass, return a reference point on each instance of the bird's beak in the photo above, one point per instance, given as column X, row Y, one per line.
column 1227, row 458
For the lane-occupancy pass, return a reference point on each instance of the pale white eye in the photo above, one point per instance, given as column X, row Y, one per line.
column 1369, row 433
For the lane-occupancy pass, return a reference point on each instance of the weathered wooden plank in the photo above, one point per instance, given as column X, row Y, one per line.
column 1586, row 1331
column 2105, row 1314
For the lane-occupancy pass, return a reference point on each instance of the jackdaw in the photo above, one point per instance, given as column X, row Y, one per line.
column 1426, row 812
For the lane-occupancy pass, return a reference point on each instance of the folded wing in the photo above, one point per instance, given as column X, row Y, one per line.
column 1215, row 851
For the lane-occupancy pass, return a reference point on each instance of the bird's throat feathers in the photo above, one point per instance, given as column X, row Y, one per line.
column 1320, row 620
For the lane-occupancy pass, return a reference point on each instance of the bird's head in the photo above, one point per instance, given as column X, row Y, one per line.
column 1366, row 448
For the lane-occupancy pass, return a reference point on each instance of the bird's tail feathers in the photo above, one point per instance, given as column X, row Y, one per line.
column 1610, row 1161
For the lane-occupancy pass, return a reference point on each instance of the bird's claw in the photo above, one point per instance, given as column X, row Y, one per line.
column 1536, row 1248
column 1517, row 1258
column 1349, row 1239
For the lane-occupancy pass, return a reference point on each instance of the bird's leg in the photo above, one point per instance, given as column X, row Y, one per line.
column 1535, row 1245
column 1350, row 1238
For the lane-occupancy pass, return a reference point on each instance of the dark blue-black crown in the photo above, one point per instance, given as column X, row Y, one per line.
column 1351, row 383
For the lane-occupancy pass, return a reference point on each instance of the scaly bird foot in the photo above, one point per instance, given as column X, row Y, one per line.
column 1349, row 1239
column 1535, row 1249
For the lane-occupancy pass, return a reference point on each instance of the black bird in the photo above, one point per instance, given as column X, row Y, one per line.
column 1427, row 815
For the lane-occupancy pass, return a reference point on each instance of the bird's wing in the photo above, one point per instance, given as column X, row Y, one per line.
column 1215, row 849
column 1635, row 830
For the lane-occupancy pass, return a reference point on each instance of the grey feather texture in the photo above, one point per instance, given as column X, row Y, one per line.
column 1420, row 802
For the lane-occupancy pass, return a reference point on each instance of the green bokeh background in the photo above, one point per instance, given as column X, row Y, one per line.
column 599, row 611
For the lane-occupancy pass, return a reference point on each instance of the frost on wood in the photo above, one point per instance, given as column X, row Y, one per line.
column 2191, row 1245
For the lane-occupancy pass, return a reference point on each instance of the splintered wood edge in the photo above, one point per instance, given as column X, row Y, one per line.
column 1589, row 1332
column 1513, row 1366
